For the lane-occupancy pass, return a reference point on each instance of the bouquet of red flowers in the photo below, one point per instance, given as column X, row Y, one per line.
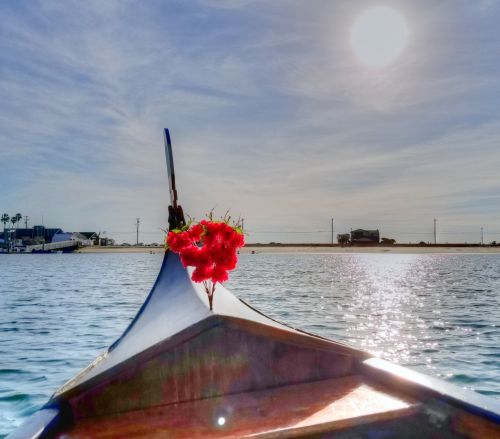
column 209, row 246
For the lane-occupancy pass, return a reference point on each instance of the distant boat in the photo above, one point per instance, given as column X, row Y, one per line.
column 182, row 371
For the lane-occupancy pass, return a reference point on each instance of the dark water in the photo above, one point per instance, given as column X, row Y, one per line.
column 439, row 314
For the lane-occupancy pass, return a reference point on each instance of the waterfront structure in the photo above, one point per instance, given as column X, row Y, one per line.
column 71, row 236
column 93, row 236
column 40, row 237
column 361, row 236
column 103, row 242
column 37, row 234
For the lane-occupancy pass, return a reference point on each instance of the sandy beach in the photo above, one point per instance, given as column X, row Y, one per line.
column 318, row 249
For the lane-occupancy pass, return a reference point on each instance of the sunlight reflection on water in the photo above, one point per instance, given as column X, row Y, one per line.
column 437, row 313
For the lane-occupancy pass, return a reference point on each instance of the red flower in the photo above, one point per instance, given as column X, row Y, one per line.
column 219, row 274
column 201, row 274
column 188, row 256
column 216, row 255
column 226, row 258
column 178, row 241
column 238, row 239
column 195, row 232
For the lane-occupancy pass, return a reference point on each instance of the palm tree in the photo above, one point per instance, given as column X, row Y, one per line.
column 19, row 217
column 13, row 220
column 5, row 219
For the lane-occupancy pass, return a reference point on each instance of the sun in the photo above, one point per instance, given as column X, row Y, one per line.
column 379, row 36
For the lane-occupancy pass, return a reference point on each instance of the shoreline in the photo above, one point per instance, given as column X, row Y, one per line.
column 318, row 248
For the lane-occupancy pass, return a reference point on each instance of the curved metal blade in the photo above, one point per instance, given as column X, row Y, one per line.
column 170, row 168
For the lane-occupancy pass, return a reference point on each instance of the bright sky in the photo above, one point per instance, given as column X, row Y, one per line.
column 274, row 113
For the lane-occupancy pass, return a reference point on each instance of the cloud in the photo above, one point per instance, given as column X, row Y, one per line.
column 270, row 113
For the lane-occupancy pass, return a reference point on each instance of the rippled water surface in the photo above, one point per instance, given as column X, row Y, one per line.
column 436, row 313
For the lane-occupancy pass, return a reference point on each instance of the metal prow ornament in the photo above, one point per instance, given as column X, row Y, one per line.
column 175, row 213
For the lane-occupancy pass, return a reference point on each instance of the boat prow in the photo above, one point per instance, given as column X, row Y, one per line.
column 192, row 353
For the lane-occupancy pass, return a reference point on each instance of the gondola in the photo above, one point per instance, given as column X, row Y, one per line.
column 181, row 370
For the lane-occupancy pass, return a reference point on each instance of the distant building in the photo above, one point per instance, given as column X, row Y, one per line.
column 93, row 236
column 361, row 236
column 70, row 236
column 106, row 241
column 36, row 234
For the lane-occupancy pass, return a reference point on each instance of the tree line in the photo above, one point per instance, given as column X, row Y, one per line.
column 5, row 219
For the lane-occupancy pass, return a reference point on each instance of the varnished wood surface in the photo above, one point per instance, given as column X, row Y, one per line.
column 220, row 361
column 476, row 428
column 288, row 411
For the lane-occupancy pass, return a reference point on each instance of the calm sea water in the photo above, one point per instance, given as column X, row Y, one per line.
column 439, row 314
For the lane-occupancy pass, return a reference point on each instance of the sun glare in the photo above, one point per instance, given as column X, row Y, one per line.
column 379, row 35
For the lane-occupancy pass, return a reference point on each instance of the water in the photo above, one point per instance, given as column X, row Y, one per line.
column 439, row 314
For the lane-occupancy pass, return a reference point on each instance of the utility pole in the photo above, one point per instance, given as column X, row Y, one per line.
column 26, row 222
column 435, row 241
column 482, row 236
column 332, row 231
column 138, row 221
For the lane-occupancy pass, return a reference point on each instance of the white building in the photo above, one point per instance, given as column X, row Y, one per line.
column 71, row 236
